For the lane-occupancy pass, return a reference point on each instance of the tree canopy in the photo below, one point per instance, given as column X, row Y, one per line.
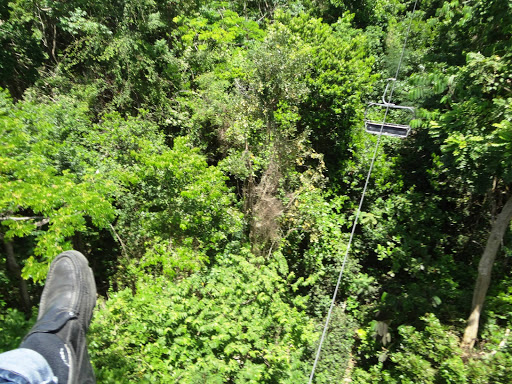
column 208, row 159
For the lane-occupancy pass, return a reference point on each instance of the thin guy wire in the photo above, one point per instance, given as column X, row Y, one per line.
column 354, row 225
column 401, row 56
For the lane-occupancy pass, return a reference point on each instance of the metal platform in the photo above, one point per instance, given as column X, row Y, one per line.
column 384, row 127
column 388, row 129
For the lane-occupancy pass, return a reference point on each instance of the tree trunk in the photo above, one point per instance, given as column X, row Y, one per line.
column 15, row 271
column 483, row 280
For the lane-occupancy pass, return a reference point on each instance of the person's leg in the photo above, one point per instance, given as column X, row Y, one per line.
column 65, row 311
column 25, row 366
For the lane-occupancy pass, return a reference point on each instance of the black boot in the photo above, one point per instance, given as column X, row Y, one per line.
column 65, row 312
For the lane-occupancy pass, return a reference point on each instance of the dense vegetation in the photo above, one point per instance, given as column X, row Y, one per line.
column 208, row 158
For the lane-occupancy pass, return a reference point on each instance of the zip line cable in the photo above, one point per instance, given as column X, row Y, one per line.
column 354, row 225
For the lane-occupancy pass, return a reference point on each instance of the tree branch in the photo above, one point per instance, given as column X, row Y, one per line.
column 498, row 229
column 22, row 218
column 120, row 241
column 39, row 223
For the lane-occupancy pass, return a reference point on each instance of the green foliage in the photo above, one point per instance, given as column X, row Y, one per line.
column 37, row 183
column 175, row 195
column 338, row 75
column 166, row 139
column 230, row 323
column 13, row 327
column 478, row 145
column 431, row 355
column 336, row 352
column 369, row 13
column 21, row 53
column 427, row 356
column 210, row 36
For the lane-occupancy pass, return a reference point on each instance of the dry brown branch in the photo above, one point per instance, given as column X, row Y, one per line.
column 120, row 241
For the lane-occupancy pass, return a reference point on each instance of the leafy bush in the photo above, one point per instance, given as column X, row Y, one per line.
column 13, row 327
column 233, row 323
